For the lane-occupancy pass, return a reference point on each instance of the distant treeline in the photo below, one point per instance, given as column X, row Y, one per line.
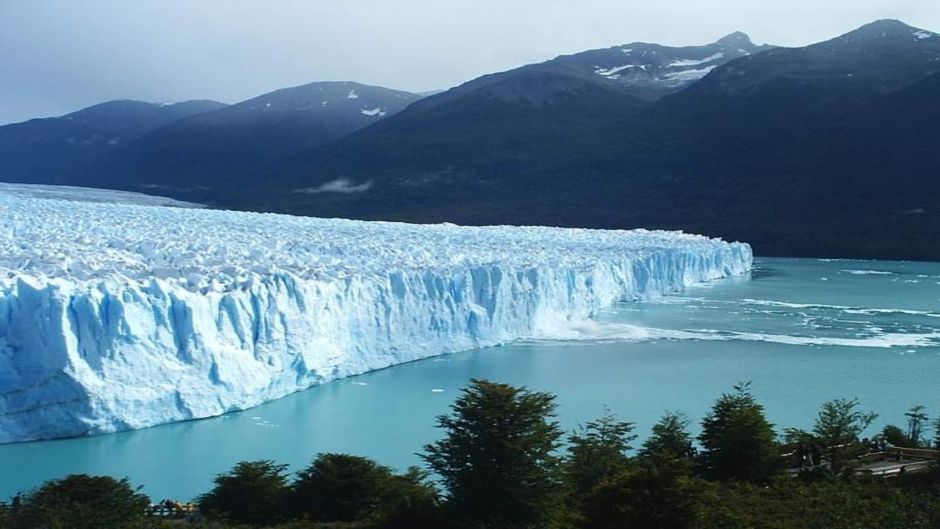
column 503, row 462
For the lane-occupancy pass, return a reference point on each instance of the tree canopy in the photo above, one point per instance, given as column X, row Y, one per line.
column 497, row 458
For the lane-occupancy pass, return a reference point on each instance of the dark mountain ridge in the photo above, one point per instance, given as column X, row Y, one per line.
column 207, row 154
column 59, row 150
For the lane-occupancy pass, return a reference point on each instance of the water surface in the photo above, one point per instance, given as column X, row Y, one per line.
column 803, row 331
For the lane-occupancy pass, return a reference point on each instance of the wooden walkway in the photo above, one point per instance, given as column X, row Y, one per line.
column 896, row 461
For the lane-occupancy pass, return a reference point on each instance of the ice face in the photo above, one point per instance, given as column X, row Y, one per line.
column 122, row 316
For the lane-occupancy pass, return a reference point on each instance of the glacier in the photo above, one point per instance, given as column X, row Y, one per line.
column 117, row 316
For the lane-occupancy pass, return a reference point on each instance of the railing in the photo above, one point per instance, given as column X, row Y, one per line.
column 173, row 510
column 890, row 461
column 900, row 454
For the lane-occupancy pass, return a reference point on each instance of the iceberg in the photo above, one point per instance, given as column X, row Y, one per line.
column 116, row 316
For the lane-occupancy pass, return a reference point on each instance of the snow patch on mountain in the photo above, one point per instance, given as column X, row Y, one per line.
column 614, row 72
column 689, row 75
column 696, row 62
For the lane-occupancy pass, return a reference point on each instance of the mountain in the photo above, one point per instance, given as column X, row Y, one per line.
column 651, row 71
column 824, row 150
column 480, row 136
column 203, row 155
column 55, row 150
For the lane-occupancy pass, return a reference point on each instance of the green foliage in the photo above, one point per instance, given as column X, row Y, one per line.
column 497, row 457
column 79, row 501
column 738, row 443
column 916, row 419
column 831, row 504
column 598, row 451
column 805, row 452
column 253, row 492
column 346, row 488
column 895, row 436
column 838, row 428
column 411, row 501
column 654, row 496
column 670, row 439
column 340, row 488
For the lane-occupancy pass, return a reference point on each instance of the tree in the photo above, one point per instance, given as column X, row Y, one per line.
column 838, row 427
column 895, row 436
column 916, row 419
column 79, row 501
column 806, row 449
column 411, row 502
column 657, row 491
column 497, row 459
column 936, row 434
column 253, row 492
column 670, row 439
column 738, row 442
column 598, row 451
column 346, row 488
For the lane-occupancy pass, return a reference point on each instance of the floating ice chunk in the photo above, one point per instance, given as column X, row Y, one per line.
column 868, row 272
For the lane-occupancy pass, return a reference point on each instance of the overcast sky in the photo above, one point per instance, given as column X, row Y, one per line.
column 57, row 56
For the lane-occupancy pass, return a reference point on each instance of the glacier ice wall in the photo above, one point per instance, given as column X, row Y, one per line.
column 121, row 316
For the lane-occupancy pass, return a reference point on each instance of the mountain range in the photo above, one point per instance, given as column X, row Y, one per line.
column 825, row 150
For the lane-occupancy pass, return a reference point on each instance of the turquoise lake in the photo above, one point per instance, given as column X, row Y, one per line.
column 802, row 331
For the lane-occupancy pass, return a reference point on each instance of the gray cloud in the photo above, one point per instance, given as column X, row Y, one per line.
column 60, row 55
column 340, row 185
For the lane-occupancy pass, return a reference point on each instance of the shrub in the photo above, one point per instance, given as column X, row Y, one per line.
column 79, row 501
column 253, row 492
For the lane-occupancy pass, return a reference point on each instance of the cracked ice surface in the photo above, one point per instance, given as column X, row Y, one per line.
column 121, row 316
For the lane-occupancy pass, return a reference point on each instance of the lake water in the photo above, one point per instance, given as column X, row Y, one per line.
column 803, row 331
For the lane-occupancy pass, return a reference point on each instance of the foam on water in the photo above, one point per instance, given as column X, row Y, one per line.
column 606, row 332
